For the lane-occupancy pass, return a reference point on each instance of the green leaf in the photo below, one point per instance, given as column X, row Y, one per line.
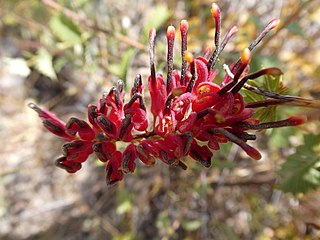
column 269, row 83
column 279, row 137
column 65, row 29
column 59, row 63
column 295, row 28
column 80, row 3
column 301, row 173
column 158, row 16
column 191, row 225
column 265, row 62
column 251, row 96
column 224, row 164
column 124, row 207
column 120, row 69
column 43, row 63
column 124, row 200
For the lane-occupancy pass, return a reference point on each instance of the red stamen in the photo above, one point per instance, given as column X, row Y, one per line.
column 170, row 38
column 184, row 38
column 152, row 37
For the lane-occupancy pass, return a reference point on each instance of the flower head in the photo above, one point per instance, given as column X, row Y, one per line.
column 191, row 114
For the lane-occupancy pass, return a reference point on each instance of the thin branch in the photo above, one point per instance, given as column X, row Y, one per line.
column 256, row 181
column 89, row 24
column 285, row 99
column 294, row 15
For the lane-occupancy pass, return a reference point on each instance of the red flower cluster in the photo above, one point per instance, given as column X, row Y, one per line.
column 192, row 115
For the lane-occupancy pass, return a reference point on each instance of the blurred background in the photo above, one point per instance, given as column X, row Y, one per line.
column 62, row 54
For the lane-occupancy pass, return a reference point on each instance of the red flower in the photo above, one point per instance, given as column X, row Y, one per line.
column 113, row 168
column 192, row 115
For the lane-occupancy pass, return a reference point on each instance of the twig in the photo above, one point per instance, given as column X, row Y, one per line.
column 89, row 24
column 284, row 24
column 284, row 99
column 267, row 179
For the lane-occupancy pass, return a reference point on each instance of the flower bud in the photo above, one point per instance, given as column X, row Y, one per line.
column 245, row 56
column 188, row 56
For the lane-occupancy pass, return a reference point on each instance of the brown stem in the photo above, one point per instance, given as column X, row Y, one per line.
column 266, row 125
column 184, row 41
column 145, row 135
column 152, row 37
column 285, row 99
column 89, row 24
column 266, row 103
column 294, row 15
column 193, row 78
column 233, row 138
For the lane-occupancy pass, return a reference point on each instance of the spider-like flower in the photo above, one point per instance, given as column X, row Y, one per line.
column 191, row 115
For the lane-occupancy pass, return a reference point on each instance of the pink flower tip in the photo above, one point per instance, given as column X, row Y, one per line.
column 152, row 33
column 233, row 30
column 171, row 32
column 273, row 23
column 184, row 26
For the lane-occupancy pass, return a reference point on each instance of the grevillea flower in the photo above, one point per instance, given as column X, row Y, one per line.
column 191, row 114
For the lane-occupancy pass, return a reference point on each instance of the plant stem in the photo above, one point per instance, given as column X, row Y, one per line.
column 90, row 24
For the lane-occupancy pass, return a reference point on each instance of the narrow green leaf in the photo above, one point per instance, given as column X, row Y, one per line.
column 251, row 96
column 224, row 164
column 65, row 29
column 191, row 225
column 124, row 207
column 43, row 63
column 279, row 137
column 296, row 29
column 120, row 69
column 158, row 16
column 269, row 83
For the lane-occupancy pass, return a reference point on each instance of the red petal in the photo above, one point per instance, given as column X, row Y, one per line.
column 139, row 118
column 203, row 101
column 114, row 173
column 104, row 150
column 201, row 154
column 128, row 158
column 51, row 122
column 75, row 126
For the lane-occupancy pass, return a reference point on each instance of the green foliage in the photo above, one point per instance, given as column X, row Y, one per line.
column 191, row 225
column 80, row 3
column 124, row 236
column 120, row 69
column 42, row 61
column 158, row 16
column 224, row 164
column 163, row 223
column 295, row 28
column 124, row 200
column 272, row 84
column 279, row 137
column 301, row 171
column 66, row 30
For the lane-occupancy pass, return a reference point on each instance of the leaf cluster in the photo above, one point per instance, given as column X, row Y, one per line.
column 301, row 172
